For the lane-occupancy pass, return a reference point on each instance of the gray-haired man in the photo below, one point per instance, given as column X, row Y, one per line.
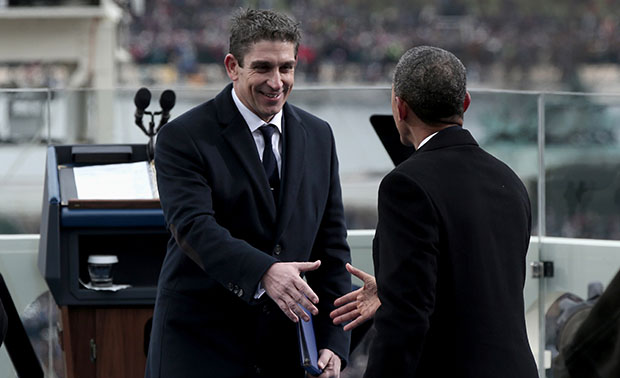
column 450, row 244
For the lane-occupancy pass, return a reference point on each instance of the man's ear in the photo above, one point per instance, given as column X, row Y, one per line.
column 232, row 66
column 467, row 101
column 402, row 107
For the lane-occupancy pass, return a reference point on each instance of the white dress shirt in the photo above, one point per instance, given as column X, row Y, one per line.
column 254, row 123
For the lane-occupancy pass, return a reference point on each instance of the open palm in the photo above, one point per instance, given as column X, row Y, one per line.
column 359, row 305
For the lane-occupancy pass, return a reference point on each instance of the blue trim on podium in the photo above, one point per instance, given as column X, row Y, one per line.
column 85, row 218
column 53, row 185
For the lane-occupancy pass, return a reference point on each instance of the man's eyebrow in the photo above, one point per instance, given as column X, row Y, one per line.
column 266, row 63
column 261, row 63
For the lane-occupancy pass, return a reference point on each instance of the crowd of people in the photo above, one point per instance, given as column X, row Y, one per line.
column 371, row 35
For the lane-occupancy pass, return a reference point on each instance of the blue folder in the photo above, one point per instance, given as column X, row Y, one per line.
column 307, row 346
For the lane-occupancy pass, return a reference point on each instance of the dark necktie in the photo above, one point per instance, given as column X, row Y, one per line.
column 269, row 161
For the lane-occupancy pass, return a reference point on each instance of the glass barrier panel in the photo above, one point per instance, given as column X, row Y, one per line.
column 24, row 132
column 506, row 125
column 86, row 116
column 582, row 162
column 582, row 207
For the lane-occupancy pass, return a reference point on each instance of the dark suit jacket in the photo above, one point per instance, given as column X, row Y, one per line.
column 449, row 253
column 227, row 233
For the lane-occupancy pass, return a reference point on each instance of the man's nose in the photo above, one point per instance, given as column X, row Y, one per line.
column 275, row 80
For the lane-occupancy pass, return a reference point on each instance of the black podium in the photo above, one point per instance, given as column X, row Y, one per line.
column 104, row 333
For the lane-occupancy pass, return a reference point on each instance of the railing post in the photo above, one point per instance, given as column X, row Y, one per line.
column 541, row 202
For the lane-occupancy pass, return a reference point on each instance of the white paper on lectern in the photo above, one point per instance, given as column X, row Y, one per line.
column 124, row 181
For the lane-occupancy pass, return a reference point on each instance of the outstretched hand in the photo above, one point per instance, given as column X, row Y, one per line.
column 359, row 305
column 289, row 291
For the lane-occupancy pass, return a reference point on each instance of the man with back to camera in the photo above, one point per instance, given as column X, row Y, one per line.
column 251, row 209
column 450, row 244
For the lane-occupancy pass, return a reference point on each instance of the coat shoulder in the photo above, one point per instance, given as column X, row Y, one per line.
column 193, row 120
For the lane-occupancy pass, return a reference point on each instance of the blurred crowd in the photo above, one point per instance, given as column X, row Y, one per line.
column 361, row 40
column 516, row 44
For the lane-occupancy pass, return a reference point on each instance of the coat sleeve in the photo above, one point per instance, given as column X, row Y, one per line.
column 186, row 199
column 406, row 255
column 331, row 280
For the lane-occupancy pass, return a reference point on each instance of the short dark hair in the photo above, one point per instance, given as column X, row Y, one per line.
column 249, row 26
column 432, row 82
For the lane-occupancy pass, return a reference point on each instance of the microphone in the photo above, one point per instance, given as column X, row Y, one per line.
column 142, row 99
column 166, row 101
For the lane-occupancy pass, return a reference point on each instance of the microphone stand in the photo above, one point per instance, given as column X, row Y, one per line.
column 150, row 146
column 151, row 133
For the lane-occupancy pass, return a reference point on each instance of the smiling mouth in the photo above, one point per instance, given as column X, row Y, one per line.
column 273, row 95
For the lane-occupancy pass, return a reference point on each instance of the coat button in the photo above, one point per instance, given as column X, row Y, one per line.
column 277, row 249
column 231, row 287
column 239, row 293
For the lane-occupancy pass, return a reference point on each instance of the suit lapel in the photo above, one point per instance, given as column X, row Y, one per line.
column 237, row 134
column 294, row 163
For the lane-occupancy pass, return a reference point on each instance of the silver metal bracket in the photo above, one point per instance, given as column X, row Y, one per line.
column 542, row 269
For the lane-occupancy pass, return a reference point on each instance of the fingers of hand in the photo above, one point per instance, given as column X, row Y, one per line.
column 291, row 301
column 300, row 311
column 348, row 297
column 304, row 295
column 308, row 266
column 286, row 309
column 345, row 313
column 290, row 291
column 361, row 318
column 324, row 358
column 330, row 363
column 351, row 316
column 357, row 272
column 290, row 283
column 354, row 324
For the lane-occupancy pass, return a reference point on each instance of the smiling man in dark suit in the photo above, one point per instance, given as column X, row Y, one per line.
column 250, row 191
column 450, row 244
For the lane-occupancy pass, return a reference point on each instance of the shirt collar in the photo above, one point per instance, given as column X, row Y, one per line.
column 423, row 142
column 254, row 121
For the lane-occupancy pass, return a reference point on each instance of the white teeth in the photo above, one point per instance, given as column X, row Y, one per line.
column 271, row 95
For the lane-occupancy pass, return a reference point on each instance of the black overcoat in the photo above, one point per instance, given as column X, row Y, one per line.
column 449, row 253
column 227, row 231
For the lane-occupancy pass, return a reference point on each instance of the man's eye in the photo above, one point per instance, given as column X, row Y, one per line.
column 261, row 69
column 286, row 69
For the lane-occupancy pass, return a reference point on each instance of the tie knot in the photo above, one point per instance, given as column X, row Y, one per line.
column 267, row 130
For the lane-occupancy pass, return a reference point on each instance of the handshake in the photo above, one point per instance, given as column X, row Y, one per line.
column 282, row 282
column 284, row 285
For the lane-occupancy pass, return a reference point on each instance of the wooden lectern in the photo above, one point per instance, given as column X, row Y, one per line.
column 104, row 333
